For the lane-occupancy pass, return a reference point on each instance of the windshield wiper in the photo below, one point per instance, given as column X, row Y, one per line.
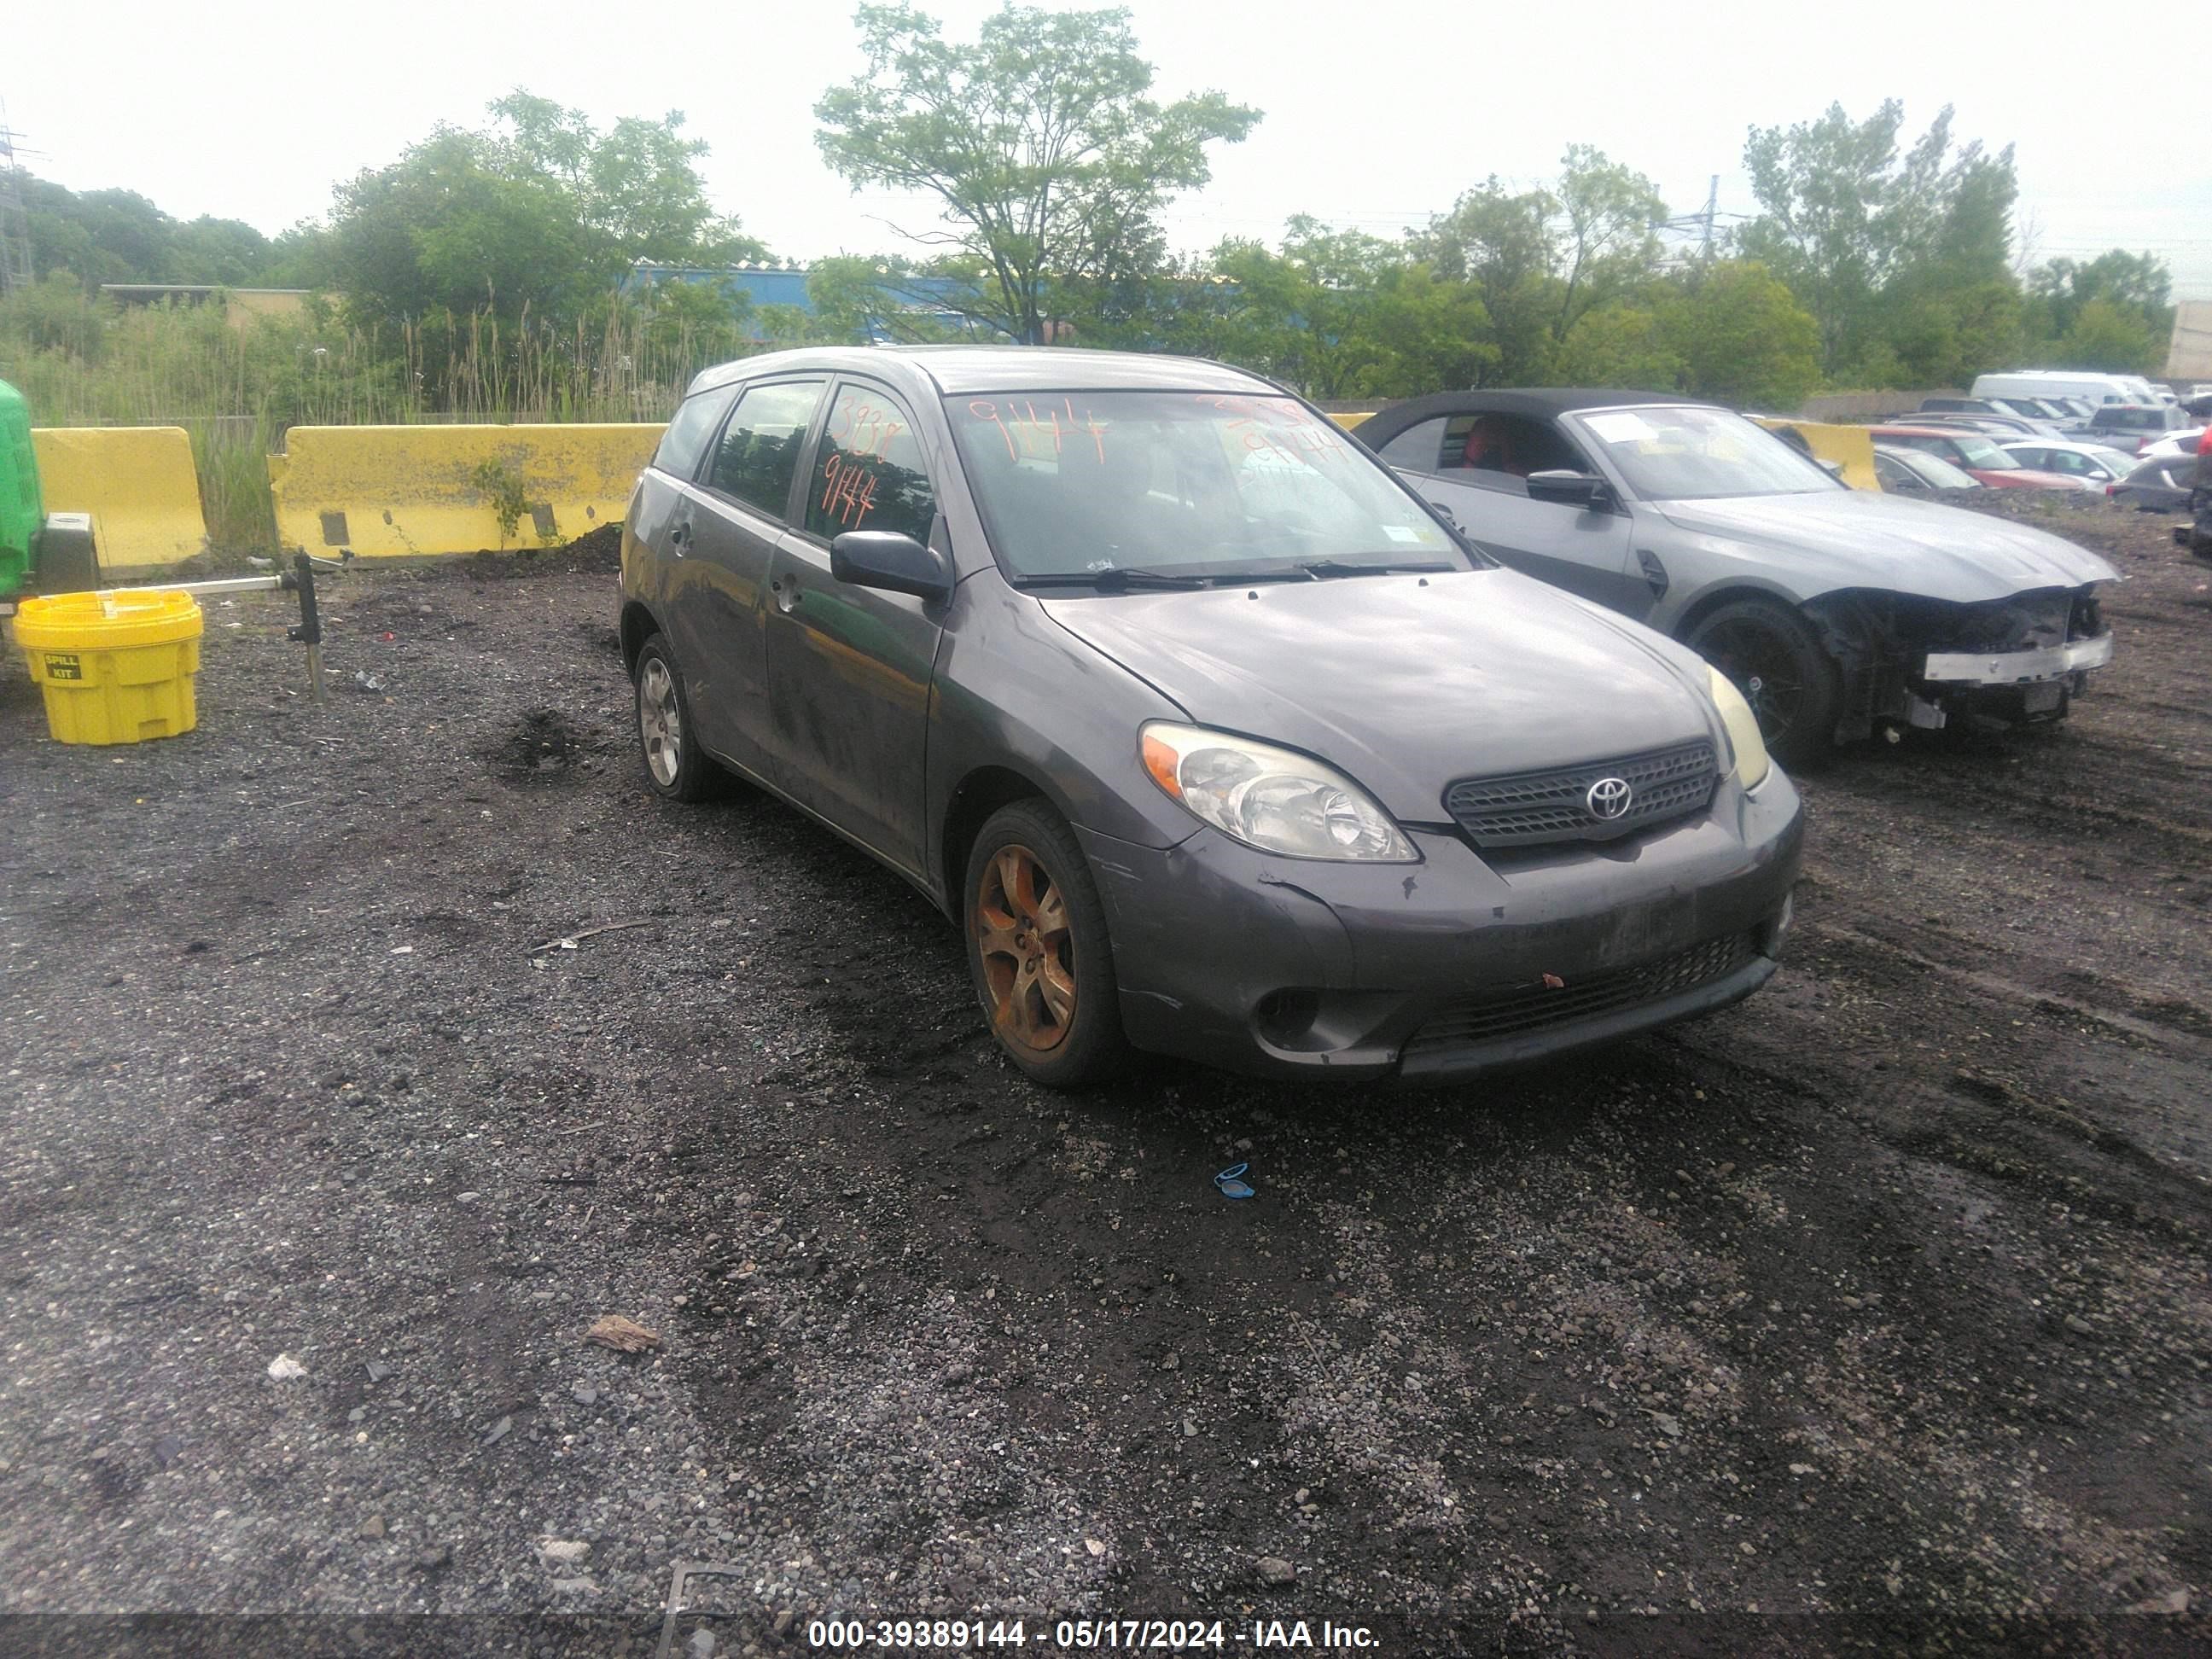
column 1320, row 568
column 1109, row 581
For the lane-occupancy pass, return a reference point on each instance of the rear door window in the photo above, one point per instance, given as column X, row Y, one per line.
column 868, row 473
column 757, row 458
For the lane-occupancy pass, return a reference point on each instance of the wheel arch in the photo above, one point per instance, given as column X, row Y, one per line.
column 981, row 792
column 1729, row 592
column 637, row 625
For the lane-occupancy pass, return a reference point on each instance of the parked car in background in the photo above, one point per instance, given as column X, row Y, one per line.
column 1984, row 409
column 1835, row 611
column 1974, row 452
column 1204, row 730
column 2130, row 428
column 1909, row 471
column 2096, row 390
column 1999, row 427
column 2100, row 464
column 2157, row 486
column 2186, row 441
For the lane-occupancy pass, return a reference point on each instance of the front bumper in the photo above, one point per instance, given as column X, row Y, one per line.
column 1441, row 969
column 2030, row 667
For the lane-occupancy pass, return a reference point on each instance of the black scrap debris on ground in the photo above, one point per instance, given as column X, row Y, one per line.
column 408, row 1036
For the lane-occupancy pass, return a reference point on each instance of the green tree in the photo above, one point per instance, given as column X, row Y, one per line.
column 1049, row 160
column 2134, row 291
column 1623, row 344
column 1605, row 242
column 226, row 252
column 1871, row 240
column 635, row 187
column 858, row 298
column 2111, row 337
column 1423, row 334
column 1741, row 337
column 1504, row 242
column 449, row 228
column 539, row 214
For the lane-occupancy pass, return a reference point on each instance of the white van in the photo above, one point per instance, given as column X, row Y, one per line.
column 2096, row 389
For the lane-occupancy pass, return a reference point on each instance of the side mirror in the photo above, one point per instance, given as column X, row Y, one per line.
column 889, row 559
column 1563, row 489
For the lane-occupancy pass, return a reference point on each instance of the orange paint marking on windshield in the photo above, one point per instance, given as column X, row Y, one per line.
column 1026, row 429
column 980, row 411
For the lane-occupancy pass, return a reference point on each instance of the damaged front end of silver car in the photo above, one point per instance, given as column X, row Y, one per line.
column 1911, row 661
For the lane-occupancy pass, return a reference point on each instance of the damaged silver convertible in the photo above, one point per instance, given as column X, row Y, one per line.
column 1838, row 612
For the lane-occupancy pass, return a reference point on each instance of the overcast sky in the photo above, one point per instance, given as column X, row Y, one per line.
column 1379, row 111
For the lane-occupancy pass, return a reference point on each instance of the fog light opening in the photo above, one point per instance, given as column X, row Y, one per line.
column 1285, row 1017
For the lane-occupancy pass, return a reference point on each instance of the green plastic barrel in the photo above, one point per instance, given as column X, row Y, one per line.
column 21, row 510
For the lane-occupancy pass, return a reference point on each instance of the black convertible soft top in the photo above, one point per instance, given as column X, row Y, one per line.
column 1538, row 403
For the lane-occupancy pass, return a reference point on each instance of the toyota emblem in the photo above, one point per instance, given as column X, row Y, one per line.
column 1608, row 797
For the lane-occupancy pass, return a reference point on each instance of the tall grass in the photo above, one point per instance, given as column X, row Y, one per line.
column 238, row 383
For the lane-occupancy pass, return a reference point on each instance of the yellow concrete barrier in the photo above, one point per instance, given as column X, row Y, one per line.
column 389, row 491
column 1851, row 445
column 138, row 484
column 1353, row 418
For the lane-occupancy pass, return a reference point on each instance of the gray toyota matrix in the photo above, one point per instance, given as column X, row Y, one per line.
column 1212, row 737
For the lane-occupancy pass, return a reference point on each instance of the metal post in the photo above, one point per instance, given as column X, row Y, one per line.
column 309, row 633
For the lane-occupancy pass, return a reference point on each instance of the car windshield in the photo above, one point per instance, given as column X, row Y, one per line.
column 1940, row 474
column 2112, row 461
column 1670, row 453
column 1205, row 485
column 1980, row 454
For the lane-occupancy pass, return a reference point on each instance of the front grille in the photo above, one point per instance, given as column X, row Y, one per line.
column 1512, row 1008
column 1526, row 809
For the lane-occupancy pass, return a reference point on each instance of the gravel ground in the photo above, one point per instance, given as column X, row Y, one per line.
column 1871, row 1314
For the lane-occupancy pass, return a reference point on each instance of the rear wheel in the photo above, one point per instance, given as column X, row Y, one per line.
column 1038, row 950
column 675, row 765
column 1778, row 662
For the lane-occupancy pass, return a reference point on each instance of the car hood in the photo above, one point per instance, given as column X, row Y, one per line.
column 1836, row 538
column 1406, row 684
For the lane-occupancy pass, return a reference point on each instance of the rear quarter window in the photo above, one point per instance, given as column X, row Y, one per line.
column 689, row 430
column 1419, row 447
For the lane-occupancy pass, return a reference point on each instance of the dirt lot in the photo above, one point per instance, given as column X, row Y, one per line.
column 1881, row 1298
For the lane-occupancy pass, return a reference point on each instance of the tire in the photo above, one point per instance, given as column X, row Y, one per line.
column 675, row 765
column 1778, row 662
column 1038, row 953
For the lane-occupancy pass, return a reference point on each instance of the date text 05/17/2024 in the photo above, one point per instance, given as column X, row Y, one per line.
column 1085, row 1635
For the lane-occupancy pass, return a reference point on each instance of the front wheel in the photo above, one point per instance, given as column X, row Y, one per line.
column 1038, row 951
column 1778, row 662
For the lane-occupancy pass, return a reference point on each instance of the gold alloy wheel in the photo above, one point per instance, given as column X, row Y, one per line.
column 1028, row 951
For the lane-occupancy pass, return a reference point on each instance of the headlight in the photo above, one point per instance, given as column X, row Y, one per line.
column 1272, row 798
column 1752, row 765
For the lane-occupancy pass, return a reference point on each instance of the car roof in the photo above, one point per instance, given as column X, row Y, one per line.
column 958, row 369
column 1538, row 403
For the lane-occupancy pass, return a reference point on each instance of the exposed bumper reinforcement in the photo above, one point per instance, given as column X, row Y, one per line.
column 2018, row 667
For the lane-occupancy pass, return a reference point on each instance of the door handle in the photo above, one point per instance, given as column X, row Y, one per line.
column 680, row 537
column 786, row 594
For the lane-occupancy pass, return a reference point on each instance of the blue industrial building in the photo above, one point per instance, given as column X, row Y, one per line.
column 786, row 285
